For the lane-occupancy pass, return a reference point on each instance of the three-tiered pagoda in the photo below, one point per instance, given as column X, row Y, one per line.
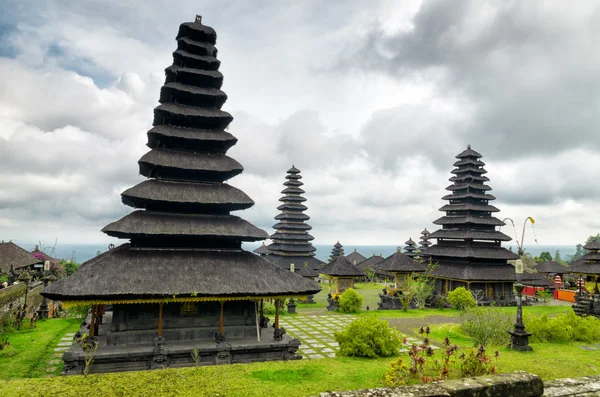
column 410, row 248
column 183, row 281
column 291, row 241
column 424, row 243
column 336, row 251
column 468, row 248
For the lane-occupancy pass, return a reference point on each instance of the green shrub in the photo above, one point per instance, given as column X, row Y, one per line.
column 562, row 328
column 461, row 299
column 269, row 308
column 350, row 301
column 486, row 325
column 367, row 336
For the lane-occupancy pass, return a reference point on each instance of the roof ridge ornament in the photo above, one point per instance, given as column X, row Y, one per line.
column 198, row 19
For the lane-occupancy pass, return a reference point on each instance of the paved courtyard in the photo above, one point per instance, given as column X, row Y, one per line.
column 316, row 334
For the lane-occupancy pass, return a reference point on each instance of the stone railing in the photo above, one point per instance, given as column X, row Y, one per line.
column 515, row 384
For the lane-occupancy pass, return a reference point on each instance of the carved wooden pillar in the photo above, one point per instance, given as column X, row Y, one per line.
column 160, row 318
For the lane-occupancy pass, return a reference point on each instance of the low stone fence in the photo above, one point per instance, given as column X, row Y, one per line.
column 515, row 384
column 14, row 295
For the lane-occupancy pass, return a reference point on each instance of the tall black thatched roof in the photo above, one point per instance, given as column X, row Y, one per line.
column 183, row 239
column 311, row 262
column 589, row 263
column 355, row 257
column 15, row 256
column 341, row 267
column 291, row 232
column 468, row 232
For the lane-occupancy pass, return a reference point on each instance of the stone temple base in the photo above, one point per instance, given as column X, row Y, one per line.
column 176, row 352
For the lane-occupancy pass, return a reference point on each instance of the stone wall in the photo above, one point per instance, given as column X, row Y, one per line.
column 515, row 384
column 15, row 295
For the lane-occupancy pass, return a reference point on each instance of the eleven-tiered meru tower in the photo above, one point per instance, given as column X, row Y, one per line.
column 291, row 240
column 468, row 248
column 183, row 281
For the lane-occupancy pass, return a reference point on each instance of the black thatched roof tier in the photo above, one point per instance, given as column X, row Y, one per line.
column 468, row 219
column 536, row 280
column 189, row 197
column 197, row 47
column 400, row 263
column 468, row 153
column 469, row 206
column 468, row 169
column 468, row 178
column 191, row 95
column 469, row 161
column 491, row 235
column 291, row 236
column 551, row 267
column 371, row 262
column 208, row 62
column 154, row 223
column 341, row 267
column 469, row 195
column 191, row 76
column 592, row 246
column 355, row 257
column 211, row 140
column 476, row 272
column 471, row 252
column 262, row 250
column 124, row 273
column 191, row 116
column 197, row 31
column 15, row 256
column 187, row 166
column 336, row 251
column 299, row 261
column 464, row 186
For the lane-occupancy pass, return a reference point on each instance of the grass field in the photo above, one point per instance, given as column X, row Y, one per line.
column 31, row 348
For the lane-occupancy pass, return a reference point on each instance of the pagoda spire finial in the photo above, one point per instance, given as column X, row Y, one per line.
column 469, row 146
column 198, row 19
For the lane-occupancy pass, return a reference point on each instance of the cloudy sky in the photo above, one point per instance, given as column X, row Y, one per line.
column 370, row 99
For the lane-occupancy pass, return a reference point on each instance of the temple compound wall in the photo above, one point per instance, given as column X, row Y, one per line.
column 14, row 295
column 515, row 384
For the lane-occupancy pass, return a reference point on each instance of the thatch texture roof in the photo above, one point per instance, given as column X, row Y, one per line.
column 476, row 272
column 154, row 223
column 284, row 261
column 213, row 140
column 551, row 267
column 468, row 153
column 124, row 273
column 471, row 252
column 468, row 219
column 355, row 257
column 470, row 234
column 589, row 263
column 341, row 267
column 262, row 250
column 536, row 280
column 371, row 262
column 13, row 255
column 400, row 263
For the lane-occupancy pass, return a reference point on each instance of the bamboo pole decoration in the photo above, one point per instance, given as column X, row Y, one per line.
column 160, row 318
column 221, row 319
column 276, row 313
column 93, row 322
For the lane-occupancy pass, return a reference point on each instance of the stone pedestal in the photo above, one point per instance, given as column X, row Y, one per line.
column 519, row 338
column 291, row 306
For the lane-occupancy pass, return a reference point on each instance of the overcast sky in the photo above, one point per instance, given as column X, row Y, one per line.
column 370, row 99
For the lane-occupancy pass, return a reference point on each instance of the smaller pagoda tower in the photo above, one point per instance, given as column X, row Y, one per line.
column 410, row 248
column 291, row 240
column 336, row 251
column 424, row 242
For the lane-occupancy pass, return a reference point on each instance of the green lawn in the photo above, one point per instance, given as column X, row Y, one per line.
column 31, row 348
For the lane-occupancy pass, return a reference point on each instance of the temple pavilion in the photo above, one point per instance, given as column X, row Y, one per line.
column 182, row 281
column 400, row 265
column 468, row 248
column 410, row 248
column 355, row 257
column 588, row 265
column 343, row 273
column 370, row 264
column 291, row 241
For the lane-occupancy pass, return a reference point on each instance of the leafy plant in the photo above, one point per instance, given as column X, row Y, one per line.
column 7, row 328
column 476, row 363
column 486, row 325
column 367, row 336
column 562, row 328
column 89, row 345
column 461, row 299
column 196, row 356
column 350, row 301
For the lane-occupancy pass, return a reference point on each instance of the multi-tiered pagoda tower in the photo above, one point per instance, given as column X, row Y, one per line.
column 291, row 241
column 183, row 281
column 410, row 248
column 336, row 252
column 468, row 246
column 588, row 266
column 424, row 242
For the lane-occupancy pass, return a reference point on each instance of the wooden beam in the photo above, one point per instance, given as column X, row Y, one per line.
column 221, row 319
column 276, row 313
column 93, row 321
column 160, row 318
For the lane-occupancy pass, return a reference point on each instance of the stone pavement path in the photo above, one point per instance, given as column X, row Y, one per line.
column 316, row 334
column 56, row 359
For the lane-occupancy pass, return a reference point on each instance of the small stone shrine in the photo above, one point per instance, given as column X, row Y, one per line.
column 468, row 249
column 401, row 266
column 183, row 281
